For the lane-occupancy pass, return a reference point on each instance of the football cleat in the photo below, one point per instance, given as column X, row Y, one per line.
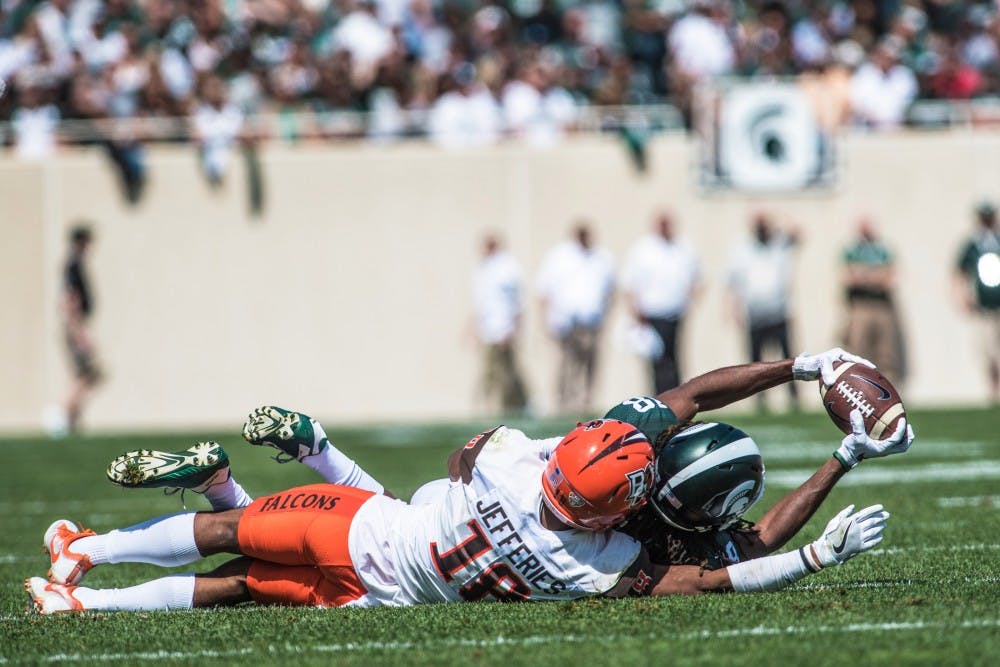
column 67, row 567
column 194, row 469
column 48, row 598
column 296, row 435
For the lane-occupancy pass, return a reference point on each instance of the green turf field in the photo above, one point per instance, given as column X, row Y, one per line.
column 929, row 595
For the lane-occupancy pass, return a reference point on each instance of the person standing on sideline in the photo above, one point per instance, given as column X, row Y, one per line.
column 873, row 330
column 977, row 285
column 78, row 306
column 575, row 282
column 760, row 277
column 660, row 278
column 496, row 289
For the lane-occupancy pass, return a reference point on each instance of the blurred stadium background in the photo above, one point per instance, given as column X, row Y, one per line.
column 289, row 199
column 288, row 196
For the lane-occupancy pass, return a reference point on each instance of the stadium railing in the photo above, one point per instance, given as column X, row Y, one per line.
column 340, row 125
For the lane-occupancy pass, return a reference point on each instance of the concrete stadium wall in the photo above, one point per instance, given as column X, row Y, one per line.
column 350, row 297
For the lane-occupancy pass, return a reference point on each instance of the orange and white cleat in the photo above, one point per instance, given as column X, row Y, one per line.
column 48, row 598
column 67, row 567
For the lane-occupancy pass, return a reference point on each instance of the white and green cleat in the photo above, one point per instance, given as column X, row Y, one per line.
column 296, row 435
column 194, row 469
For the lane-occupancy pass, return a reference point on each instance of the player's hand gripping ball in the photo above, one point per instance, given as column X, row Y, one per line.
column 858, row 387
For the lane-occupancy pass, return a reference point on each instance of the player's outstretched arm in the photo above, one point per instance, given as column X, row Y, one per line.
column 786, row 518
column 723, row 386
column 845, row 536
column 783, row 521
column 719, row 388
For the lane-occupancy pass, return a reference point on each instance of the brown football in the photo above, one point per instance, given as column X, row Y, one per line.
column 864, row 388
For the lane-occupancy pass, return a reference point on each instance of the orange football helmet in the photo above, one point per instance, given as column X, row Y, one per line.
column 598, row 474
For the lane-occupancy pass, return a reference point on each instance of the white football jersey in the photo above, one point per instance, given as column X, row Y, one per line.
column 483, row 539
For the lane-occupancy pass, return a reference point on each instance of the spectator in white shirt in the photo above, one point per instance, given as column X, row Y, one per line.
column 535, row 110
column 34, row 123
column 467, row 116
column 881, row 89
column 760, row 279
column 660, row 278
column 361, row 33
column 497, row 302
column 575, row 282
column 425, row 37
column 700, row 46
column 217, row 126
column 53, row 25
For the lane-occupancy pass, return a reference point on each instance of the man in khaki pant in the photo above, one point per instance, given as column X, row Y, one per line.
column 873, row 330
column 497, row 302
column 575, row 283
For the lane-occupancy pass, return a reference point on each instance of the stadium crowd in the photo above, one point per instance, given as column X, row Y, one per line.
column 465, row 71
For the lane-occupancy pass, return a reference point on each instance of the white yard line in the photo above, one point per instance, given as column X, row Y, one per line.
column 40, row 558
column 857, row 585
column 929, row 549
column 992, row 502
column 871, row 474
column 19, row 558
column 439, row 644
column 813, row 449
column 58, row 506
column 129, row 657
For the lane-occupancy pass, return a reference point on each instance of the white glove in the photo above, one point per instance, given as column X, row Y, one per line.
column 858, row 445
column 811, row 366
column 847, row 535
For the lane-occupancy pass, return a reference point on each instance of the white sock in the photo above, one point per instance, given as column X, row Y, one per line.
column 227, row 495
column 167, row 541
column 173, row 592
column 337, row 468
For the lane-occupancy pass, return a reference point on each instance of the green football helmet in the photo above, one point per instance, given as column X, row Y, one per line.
column 706, row 477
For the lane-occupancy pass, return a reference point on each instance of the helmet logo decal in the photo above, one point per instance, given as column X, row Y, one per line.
column 739, row 500
column 638, row 485
column 574, row 499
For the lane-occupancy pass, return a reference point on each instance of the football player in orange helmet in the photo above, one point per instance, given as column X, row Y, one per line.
column 598, row 474
column 487, row 536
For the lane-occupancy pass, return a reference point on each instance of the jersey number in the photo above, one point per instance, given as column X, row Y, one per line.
column 643, row 403
column 497, row 579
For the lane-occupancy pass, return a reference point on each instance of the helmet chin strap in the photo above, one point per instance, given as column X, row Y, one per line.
column 688, row 529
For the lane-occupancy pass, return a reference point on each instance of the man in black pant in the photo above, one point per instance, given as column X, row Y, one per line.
column 760, row 277
column 661, row 278
column 78, row 305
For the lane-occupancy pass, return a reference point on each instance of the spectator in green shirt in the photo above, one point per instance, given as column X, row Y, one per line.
column 873, row 328
column 978, row 288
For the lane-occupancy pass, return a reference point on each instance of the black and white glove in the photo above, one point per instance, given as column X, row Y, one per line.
column 846, row 536
column 811, row 366
column 858, row 445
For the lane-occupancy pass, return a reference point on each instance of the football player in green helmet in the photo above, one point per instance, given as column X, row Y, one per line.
column 708, row 475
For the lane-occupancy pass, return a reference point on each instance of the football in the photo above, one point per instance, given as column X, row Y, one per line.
column 864, row 388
